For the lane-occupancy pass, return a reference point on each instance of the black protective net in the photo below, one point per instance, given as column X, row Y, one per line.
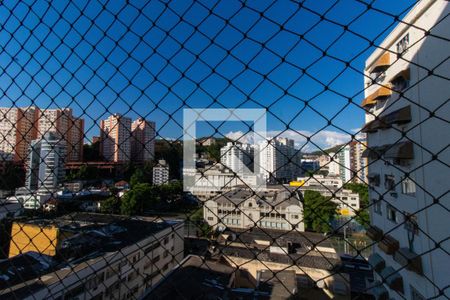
column 344, row 195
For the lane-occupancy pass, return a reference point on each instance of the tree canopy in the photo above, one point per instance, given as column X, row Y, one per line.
column 319, row 211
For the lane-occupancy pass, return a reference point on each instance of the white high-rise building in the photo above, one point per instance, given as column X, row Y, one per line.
column 143, row 140
column 239, row 158
column 343, row 160
column 161, row 173
column 407, row 113
column 115, row 139
column 63, row 124
column 45, row 165
column 279, row 160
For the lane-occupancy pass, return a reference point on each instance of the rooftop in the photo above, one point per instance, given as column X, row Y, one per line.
column 274, row 196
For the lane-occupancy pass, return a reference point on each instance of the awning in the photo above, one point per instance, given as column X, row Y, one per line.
column 377, row 262
column 400, row 116
column 388, row 244
column 402, row 150
column 412, row 261
column 375, row 152
column 374, row 233
column 382, row 63
column 369, row 127
column 393, row 278
column 402, row 75
column 378, row 290
column 382, row 92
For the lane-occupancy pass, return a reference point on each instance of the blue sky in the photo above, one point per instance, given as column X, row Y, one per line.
column 152, row 58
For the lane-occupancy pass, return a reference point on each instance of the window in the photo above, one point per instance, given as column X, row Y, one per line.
column 151, row 248
column 389, row 182
column 210, row 218
column 411, row 224
column 402, row 45
column 377, row 206
column 391, row 213
column 155, row 259
column 294, row 216
column 400, row 84
column 408, row 186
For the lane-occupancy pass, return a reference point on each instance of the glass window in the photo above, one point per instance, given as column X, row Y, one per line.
column 391, row 213
column 408, row 186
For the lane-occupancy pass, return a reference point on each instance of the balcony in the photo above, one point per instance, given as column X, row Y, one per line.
column 388, row 244
column 408, row 259
column 374, row 233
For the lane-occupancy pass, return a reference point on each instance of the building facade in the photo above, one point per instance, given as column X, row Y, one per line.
column 143, row 140
column 161, row 173
column 279, row 207
column 343, row 160
column 45, row 163
column 64, row 125
column 237, row 157
column 17, row 130
column 134, row 256
column 358, row 163
column 20, row 126
column 279, row 160
column 115, row 138
column 407, row 92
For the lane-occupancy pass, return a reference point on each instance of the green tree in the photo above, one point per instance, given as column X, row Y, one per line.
column 141, row 197
column 111, row 205
column 362, row 215
column 137, row 177
column 319, row 211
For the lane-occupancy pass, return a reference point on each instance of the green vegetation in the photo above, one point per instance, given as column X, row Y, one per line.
column 334, row 149
column 144, row 197
column 202, row 227
column 84, row 173
column 362, row 215
column 319, row 211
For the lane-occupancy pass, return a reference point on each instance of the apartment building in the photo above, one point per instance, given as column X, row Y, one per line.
column 212, row 181
column 19, row 126
column 343, row 160
column 65, row 126
column 358, row 163
column 143, row 140
column 407, row 128
column 278, row 207
column 161, row 173
column 45, row 163
column 17, row 129
column 238, row 158
column 115, row 136
column 279, row 160
column 105, row 257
